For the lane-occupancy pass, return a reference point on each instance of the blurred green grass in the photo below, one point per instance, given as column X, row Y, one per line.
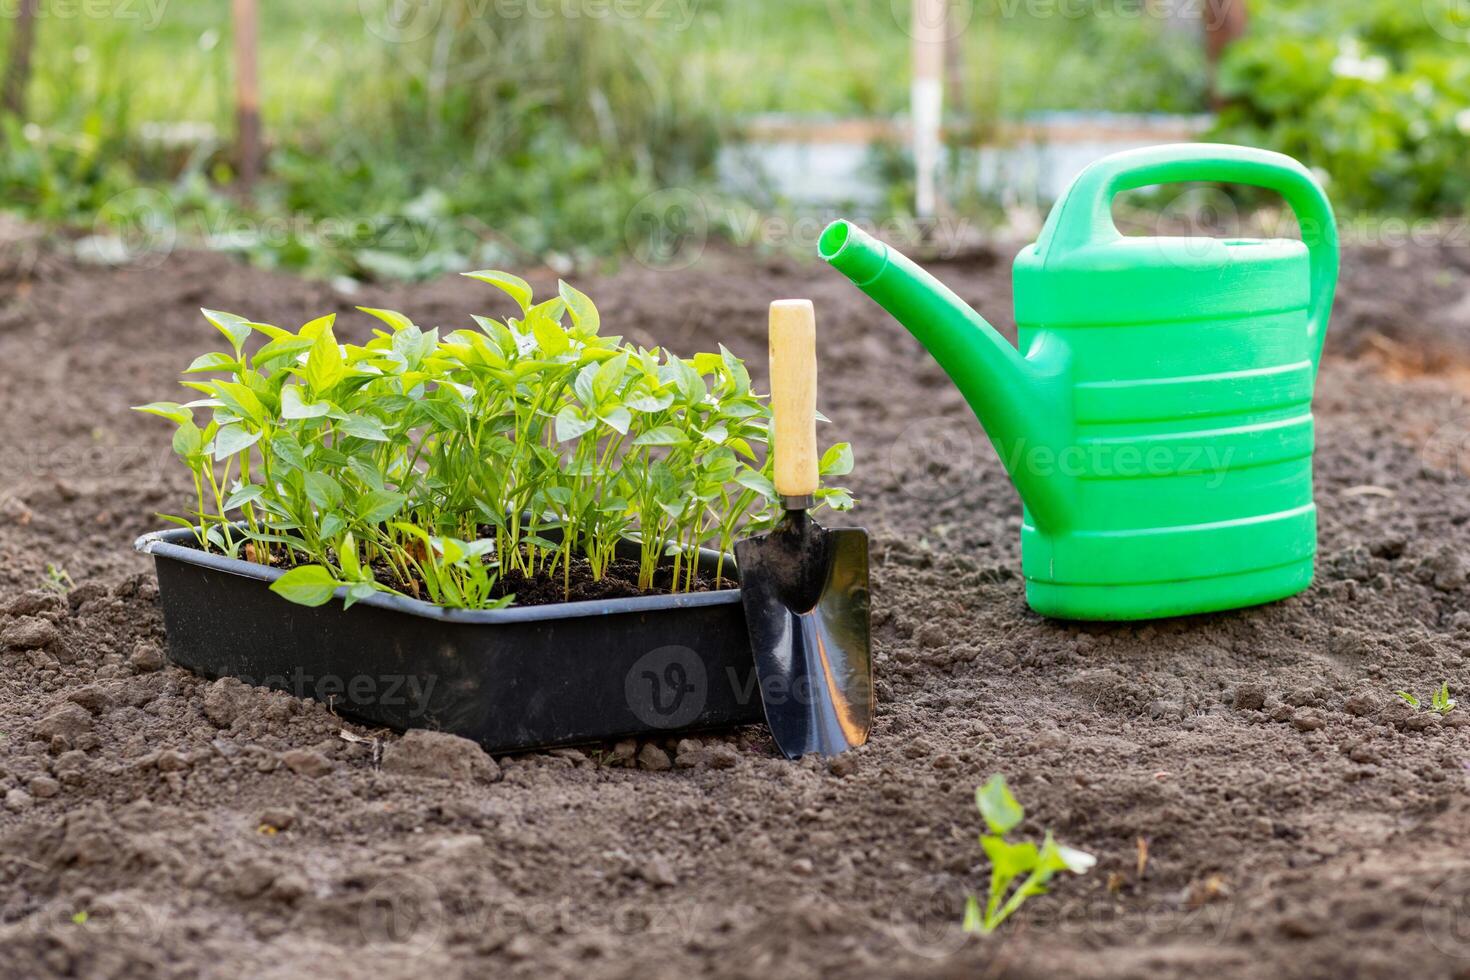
column 809, row 57
column 505, row 139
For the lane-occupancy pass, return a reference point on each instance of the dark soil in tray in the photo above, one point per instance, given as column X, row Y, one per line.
column 620, row 581
column 1299, row 820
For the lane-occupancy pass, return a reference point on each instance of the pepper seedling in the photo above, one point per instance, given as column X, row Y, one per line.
column 1033, row 866
column 436, row 466
column 1440, row 701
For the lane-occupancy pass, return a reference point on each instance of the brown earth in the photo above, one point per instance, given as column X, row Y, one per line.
column 1259, row 801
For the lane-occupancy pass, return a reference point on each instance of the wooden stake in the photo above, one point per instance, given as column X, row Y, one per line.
column 927, row 101
column 247, row 92
column 18, row 71
column 1225, row 22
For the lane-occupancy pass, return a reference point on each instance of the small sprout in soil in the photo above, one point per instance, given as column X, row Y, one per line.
column 1011, row 861
column 80, row 918
column 58, row 580
column 1439, row 702
column 457, row 468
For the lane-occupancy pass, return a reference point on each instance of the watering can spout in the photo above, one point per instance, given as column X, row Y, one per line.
column 1015, row 397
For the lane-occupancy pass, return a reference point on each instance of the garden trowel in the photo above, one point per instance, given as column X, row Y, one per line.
column 805, row 587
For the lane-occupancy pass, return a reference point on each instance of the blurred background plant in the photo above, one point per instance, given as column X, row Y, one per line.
column 406, row 138
column 1375, row 93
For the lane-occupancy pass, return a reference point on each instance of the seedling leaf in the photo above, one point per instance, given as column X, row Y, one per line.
column 306, row 585
column 235, row 328
column 999, row 808
column 518, row 288
column 293, row 406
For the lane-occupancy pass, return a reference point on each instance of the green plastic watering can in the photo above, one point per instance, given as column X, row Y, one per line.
column 1159, row 424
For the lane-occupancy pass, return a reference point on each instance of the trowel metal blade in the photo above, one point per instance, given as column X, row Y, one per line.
column 806, row 598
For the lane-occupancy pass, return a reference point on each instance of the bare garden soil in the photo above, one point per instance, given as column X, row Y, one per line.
column 1260, row 802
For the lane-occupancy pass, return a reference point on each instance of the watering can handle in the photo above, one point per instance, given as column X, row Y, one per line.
column 1085, row 215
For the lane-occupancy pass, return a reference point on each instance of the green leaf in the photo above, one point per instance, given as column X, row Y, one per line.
column 646, row 401
column 243, row 495
column 286, row 348
column 217, row 361
column 235, row 328
column 759, row 482
column 619, row 418
column 323, row 491
column 518, row 288
column 735, row 368
column 378, row 506
column 664, row 435
column 232, row 439
column 570, row 424
column 347, row 557
column 294, row 407
column 1408, row 698
column 395, row 320
column 835, row 498
column 362, row 427
column 270, row 330
column 188, row 440
column 333, row 524
column 1010, row 861
column 582, row 386
column 285, row 448
column 172, row 411
column 551, row 338
column 974, row 922
column 306, row 585
column 585, row 317
column 239, row 397
column 313, row 329
column 358, row 592
column 998, row 806
column 609, row 377
column 324, row 365
column 837, row 461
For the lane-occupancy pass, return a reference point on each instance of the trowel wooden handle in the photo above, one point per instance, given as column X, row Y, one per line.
column 794, row 395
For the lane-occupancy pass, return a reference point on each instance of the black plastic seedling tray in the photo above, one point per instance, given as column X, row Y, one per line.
column 511, row 679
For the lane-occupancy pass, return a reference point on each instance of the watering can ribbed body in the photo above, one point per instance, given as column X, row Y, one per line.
column 1157, row 418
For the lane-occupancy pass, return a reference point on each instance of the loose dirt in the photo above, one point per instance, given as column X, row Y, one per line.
column 1259, row 800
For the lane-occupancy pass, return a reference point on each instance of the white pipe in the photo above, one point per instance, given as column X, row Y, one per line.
column 926, row 96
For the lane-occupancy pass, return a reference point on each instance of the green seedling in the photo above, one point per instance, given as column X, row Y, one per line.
column 435, row 466
column 1439, row 702
column 1011, row 862
column 58, row 580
